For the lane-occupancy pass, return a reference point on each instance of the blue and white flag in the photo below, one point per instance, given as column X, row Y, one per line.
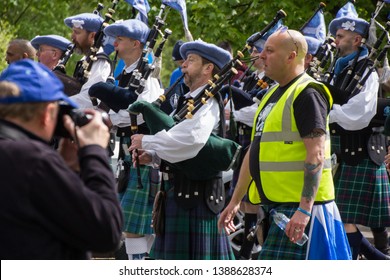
column 316, row 27
column 181, row 7
column 108, row 44
column 328, row 240
column 142, row 6
column 347, row 10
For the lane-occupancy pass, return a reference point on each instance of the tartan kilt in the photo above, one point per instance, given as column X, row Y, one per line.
column 190, row 234
column 137, row 204
column 277, row 246
column 363, row 193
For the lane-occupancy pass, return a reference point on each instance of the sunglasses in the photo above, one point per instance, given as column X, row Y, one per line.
column 283, row 29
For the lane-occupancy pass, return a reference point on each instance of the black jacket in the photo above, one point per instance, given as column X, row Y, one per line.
column 47, row 211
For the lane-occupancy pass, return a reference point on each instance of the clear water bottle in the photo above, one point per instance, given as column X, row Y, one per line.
column 281, row 220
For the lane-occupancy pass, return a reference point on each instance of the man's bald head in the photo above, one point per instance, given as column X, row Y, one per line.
column 292, row 40
column 19, row 49
column 284, row 55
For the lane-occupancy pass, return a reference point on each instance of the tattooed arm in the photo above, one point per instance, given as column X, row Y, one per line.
column 315, row 148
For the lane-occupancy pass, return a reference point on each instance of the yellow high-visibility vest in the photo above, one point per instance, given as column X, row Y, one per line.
column 282, row 151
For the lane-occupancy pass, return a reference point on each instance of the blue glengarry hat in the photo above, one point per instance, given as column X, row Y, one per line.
column 88, row 21
column 36, row 83
column 131, row 28
column 211, row 52
column 357, row 25
column 347, row 19
column 312, row 44
column 55, row 41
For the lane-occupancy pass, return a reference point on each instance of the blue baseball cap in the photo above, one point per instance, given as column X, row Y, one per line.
column 211, row 52
column 88, row 21
column 131, row 28
column 55, row 41
column 36, row 83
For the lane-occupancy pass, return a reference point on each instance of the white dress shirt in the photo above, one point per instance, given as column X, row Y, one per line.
column 359, row 110
column 100, row 71
column 187, row 138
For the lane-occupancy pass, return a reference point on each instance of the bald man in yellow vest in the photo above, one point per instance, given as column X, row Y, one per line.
column 288, row 163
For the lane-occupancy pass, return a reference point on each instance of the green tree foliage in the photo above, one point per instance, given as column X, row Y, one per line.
column 212, row 21
column 6, row 35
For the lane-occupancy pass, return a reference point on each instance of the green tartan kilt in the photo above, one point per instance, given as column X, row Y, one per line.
column 137, row 204
column 277, row 246
column 190, row 234
column 362, row 193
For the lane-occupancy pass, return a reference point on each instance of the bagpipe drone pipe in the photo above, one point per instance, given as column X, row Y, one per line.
column 143, row 69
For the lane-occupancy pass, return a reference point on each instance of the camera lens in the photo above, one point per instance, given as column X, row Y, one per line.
column 79, row 117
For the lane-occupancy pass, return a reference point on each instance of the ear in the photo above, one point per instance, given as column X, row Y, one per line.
column 45, row 117
column 49, row 113
column 137, row 44
column 292, row 55
column 208, row 68
column 91, row 36
column 357, row 40
column 58, row 55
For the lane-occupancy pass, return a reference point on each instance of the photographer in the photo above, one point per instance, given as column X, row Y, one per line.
column 52, row 205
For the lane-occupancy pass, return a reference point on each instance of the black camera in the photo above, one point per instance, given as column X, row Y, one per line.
column 79, row 117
